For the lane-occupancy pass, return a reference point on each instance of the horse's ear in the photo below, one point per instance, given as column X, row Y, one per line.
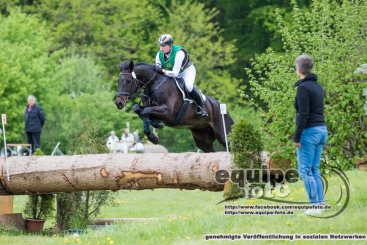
column 121, row 67
column 131, row 66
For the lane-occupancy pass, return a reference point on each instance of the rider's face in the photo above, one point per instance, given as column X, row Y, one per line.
column 166, row 48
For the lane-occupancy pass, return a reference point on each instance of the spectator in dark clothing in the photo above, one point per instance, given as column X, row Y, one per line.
column 311, row 132
column 34, row 119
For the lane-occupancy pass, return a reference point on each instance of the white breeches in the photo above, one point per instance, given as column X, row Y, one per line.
column 189, row 76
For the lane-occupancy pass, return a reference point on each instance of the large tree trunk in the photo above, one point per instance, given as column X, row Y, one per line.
column 52, row 174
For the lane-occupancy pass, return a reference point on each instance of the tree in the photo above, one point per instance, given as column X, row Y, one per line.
column 114, row 30
column 80, row 93
column 254, row 26
column 363, row 70
column 335, row 36
column 105, row 33
column 25, row 66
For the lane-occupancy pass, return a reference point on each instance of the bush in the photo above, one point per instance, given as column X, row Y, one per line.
column 75, row 210
column 334, row 35
column 246, row 146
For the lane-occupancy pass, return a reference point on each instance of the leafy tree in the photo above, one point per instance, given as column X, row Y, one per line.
column 253, row 25
column 335, row 36
column 114, row 30
column 105, row 33
column 202, row 39
column 81, row 94
column 211, row 54
column 25, row 67
column 363, row 70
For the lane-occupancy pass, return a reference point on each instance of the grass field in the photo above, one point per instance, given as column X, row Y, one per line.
column 185, row 217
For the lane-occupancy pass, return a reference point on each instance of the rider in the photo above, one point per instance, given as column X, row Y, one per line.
column 173, row 61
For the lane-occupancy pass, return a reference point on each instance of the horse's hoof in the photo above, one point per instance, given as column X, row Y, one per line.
column 146, row 112
column 157, row 124
column 136, row 108
column 153, row 138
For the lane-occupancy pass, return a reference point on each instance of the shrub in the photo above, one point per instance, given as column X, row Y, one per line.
column 75, row 210
column 246, row 146
column 334, row 34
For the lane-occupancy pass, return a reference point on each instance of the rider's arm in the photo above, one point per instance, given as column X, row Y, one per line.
column 180, row 56
column 157, row 60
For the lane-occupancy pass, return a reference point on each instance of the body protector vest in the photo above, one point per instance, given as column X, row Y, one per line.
column 168, row 64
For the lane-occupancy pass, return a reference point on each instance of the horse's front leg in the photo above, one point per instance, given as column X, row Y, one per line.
column 146, row 122
column 154, row 122
column 159, row 111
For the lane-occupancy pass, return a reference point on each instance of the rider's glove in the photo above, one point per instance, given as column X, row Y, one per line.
column 158, row 68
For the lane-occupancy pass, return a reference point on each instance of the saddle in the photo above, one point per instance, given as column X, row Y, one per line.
column 180, row 82
column 187, row 101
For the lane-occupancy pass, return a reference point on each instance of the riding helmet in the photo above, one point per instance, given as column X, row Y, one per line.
column 165, row 39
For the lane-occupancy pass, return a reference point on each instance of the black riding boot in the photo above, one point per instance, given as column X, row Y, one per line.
column 196, row 95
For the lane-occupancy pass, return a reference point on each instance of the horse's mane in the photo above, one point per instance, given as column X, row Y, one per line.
column 146, row 65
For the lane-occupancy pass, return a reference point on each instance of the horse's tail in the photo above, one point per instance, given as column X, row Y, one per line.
column 217, row 120
column 218, row 115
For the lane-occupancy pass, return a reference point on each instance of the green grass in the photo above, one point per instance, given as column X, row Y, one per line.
column 186, row 216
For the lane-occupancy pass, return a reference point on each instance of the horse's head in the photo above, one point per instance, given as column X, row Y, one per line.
column 127, row 84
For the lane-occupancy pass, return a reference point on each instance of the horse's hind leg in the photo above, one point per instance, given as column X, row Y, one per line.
column 204, row 139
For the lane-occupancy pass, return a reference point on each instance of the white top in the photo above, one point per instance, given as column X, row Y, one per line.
column 129, row 137
column 180, row 56
column 113, row 138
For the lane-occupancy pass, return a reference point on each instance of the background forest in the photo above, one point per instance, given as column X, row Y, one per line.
column 66, row 52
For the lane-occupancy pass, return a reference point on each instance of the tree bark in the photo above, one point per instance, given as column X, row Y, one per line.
column 52, row 174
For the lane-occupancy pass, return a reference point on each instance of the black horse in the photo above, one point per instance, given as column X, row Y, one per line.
column 162, row 101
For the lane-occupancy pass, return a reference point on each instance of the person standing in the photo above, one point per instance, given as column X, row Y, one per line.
column 112, row 140
column 311, row 132
column 127, row 140
column 34, row 120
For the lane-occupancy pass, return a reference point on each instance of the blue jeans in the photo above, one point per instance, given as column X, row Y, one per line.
column 308, row 156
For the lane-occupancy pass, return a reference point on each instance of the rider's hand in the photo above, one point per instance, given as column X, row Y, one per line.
column 158, row 68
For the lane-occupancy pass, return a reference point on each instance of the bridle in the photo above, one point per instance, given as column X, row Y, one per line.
column 136, row 86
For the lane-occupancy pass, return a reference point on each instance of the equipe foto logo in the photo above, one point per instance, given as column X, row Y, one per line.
column 264, row 184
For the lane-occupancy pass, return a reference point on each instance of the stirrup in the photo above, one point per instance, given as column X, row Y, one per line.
column 201, row 112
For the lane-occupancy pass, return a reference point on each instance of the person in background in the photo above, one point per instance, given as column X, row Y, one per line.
column 112, row 140
column 311, row 132
column 127, row 140
column 34, row 119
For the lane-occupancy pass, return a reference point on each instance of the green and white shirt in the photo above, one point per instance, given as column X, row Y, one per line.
column 174, row 62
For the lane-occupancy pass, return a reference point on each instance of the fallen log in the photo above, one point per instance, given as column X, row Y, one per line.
column 52, row 174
